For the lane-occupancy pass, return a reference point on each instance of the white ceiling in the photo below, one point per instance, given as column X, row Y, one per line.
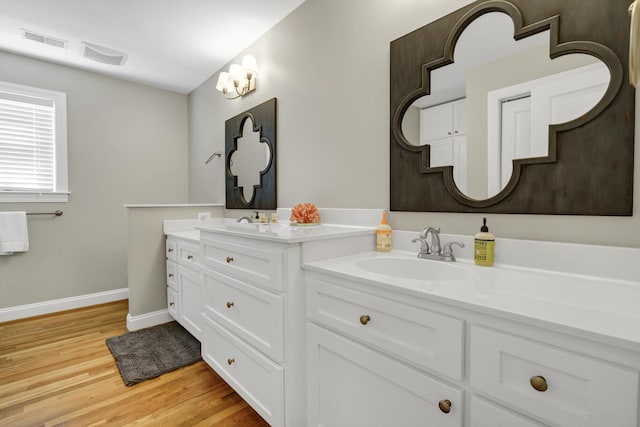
column 171, row 44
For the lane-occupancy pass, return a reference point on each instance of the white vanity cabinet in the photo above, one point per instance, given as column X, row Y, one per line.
column 184, row 283
column 383, row 355
column 250, row 293
column 358, row 373
column 254, row 309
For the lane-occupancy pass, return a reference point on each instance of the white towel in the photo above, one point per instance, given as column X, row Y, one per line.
column 14, row 236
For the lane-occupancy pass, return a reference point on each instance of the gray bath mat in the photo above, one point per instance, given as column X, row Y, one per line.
column 151, row 352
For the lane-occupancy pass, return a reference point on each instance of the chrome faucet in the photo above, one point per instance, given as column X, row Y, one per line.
column 244, row 217
column 435, row 251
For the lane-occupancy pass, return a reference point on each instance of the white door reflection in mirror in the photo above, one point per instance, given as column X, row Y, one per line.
column 249, row 160
column 487, row 60
column 519, row 116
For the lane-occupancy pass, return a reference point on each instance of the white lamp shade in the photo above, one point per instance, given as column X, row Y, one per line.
column 222, row 81
column 249, row 64
column 235, row 72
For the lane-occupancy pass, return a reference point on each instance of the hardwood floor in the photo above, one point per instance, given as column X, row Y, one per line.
column 57, row 370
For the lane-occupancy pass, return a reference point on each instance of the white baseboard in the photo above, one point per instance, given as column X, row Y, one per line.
column 54, row 306
column 147, row 320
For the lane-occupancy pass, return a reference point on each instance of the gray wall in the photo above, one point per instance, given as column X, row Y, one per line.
column 127, row 143
column 328, row 65
column 147, row 256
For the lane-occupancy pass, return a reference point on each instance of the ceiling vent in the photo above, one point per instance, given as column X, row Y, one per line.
column 102, row 54
column 44, row 39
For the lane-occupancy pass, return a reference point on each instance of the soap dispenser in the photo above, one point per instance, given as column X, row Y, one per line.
column 383, row 235
column 483, row 246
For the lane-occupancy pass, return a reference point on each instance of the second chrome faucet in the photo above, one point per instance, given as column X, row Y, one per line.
column 435, row 251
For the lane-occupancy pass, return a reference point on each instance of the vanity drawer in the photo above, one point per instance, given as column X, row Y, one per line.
column 172, row 274
column 172, row 303
column 485, row 414
column 259, row 266
column 189, row 254
column 256, row 378
column 415, row 335
column 580, row 391
column 171, row 249
column 353, row 385
column 251, row 313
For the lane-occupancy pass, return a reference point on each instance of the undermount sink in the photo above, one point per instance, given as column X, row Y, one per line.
column 412, row 268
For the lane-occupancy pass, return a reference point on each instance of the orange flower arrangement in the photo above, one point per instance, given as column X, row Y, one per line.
column 305, row 213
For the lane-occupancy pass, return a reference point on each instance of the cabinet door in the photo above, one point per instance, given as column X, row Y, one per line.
column 436, row 122
column 258, row 266
column 352, row 385
column 171, row 249
column 559, row 387
column 256, row 378
column 415, row 335
column 190, row 290
column 441, row 152
column 460, row 162
column 443, row 121
column 173, row 303
column 485, row 414
column 459, row 112
column 172, row 274
column 253, row 314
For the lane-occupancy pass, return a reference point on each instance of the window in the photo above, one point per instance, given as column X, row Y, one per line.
column 33, row 145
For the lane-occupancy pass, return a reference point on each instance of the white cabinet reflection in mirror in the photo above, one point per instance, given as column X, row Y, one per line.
column 444, row 128
column 249, row 160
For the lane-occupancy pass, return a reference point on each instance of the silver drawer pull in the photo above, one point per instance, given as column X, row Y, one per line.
column 189, row 256
column 172, row 303
column 231, row 361
column 170, row 275
column 230, row 304
column 229, row 259
column 170, row 249
column 364, row 319
column 539, row 383
column 445, row 406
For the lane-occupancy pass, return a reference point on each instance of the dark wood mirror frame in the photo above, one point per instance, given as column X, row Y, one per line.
column 263, row 118
column 589, row 169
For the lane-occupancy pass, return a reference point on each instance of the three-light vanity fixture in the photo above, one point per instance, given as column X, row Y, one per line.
column 240, row 79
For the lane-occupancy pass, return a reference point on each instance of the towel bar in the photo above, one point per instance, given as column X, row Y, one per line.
column 56, row 213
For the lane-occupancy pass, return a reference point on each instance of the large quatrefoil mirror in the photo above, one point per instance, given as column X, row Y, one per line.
column 524, row 113
column 250, row 142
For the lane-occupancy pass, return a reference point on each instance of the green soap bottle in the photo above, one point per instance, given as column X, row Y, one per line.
column 483, row 246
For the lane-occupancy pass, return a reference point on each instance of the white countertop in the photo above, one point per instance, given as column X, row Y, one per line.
column 609, row 308
column 284, row 233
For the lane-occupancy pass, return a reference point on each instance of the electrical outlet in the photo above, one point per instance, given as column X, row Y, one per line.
column 203, row 216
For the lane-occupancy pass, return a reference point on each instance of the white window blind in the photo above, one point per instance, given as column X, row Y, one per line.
column 27, row 144
column 32, row 143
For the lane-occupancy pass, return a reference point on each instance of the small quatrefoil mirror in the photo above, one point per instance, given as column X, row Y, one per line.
column 250, row 141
